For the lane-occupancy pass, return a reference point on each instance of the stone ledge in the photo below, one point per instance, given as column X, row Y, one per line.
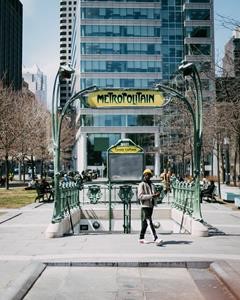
column 192, row 226
column 59, row 229
column 16, row 290
column 228, row 276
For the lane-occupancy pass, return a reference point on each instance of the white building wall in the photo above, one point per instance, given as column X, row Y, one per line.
column 81, row 151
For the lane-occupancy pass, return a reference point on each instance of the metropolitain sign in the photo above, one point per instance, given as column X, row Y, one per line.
column 125, row 98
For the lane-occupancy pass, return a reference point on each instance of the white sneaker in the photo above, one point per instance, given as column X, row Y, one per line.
column 143, row 241
column 158, row 242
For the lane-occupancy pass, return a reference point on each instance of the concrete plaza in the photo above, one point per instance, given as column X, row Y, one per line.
column 115, row 265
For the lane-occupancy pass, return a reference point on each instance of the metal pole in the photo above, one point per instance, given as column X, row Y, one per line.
column 110, row 205
column 56, row 135
column 197, row 143
column 191, row 70
column 57, row 205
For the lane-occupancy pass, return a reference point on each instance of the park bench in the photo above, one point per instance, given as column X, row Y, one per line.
column 43, row 194
column 211, row 197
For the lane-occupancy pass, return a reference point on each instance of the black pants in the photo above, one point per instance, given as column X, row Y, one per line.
column 147, row 217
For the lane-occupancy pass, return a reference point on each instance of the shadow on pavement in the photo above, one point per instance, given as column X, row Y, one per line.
column 176, row 243
column 213, row 231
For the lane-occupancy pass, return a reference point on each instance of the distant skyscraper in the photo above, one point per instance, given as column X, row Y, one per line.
column 134, row 44
column 37, row 82
column 11, row 42
column 231, row 59
column 67, row 13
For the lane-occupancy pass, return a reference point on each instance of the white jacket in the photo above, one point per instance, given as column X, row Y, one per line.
column 145, row 194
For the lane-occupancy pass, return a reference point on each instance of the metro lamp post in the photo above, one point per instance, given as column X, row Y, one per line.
column 189, row 69
column 64, row 72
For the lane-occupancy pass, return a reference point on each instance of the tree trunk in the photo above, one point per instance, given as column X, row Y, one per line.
column 212, row 161
column 192, row 160
column 239, row 159
column 42, row 169
column 24, row 171
column 7, row 171
column 239, row 156
column 32, row 167
column 183, row 165
column 222, row 165
column 218, row 170
column 235, row 166
column 203, row 164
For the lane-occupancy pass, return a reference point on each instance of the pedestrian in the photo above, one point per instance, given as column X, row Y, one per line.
column 147, row 196
column 165, row 179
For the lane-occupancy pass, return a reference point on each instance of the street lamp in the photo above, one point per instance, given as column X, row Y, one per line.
column 189, row 69
column 64, row 72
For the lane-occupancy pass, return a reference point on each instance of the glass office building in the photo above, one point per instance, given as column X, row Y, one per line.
column 132, row 44
column 67, row 14
column 11, row 42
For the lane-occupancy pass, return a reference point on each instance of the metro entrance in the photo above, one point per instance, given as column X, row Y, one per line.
column 158, row 97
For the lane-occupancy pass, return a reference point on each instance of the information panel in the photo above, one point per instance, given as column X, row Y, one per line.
column 125, row 161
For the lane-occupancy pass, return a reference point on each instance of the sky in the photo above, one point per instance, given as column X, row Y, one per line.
column 41, row 37
column 41, row 33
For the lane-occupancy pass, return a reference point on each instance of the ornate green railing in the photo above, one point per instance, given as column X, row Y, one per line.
column 69, row 199
column 183, row 196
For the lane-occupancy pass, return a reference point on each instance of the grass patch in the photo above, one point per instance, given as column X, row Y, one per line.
column 16, row 197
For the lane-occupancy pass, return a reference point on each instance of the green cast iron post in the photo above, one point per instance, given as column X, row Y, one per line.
column 189, row 69
column 63, row 72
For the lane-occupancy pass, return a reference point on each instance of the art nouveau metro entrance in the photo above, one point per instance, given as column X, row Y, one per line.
column 184, row 198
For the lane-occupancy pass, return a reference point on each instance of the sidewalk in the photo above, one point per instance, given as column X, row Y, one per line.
column 25, row 252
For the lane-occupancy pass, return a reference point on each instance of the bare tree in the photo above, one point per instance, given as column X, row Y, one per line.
column 9, row 131
column 23, row 127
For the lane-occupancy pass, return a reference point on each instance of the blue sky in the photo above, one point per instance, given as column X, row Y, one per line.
column 41, row 37
column 41, row 33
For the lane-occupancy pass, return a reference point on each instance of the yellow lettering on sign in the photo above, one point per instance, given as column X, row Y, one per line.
column 126, row 98
column 125, row 149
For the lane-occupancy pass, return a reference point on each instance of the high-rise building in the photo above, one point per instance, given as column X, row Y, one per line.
column 231, row 59
column 134, row 44
column 11, row 42
column 67, row 14
column 227, row 91
column 37, row 82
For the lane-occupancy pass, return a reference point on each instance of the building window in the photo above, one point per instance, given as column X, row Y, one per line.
column 197, row 14
column 198, row 1
column 198, row 31
column 198, row 49
column 97, row 145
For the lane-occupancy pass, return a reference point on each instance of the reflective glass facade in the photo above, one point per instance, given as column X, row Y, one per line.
column 172, row 34
column 120, row 31
column 136, row 44
column 120, row 48
column 117, row 120
column 120, row 13
column 11, row 42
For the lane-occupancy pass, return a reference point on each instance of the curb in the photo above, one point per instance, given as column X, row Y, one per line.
column 19, row 288
column 228, row 276
column 134, row 264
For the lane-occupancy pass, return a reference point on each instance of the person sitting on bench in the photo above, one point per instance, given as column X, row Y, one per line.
column 208, row 192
